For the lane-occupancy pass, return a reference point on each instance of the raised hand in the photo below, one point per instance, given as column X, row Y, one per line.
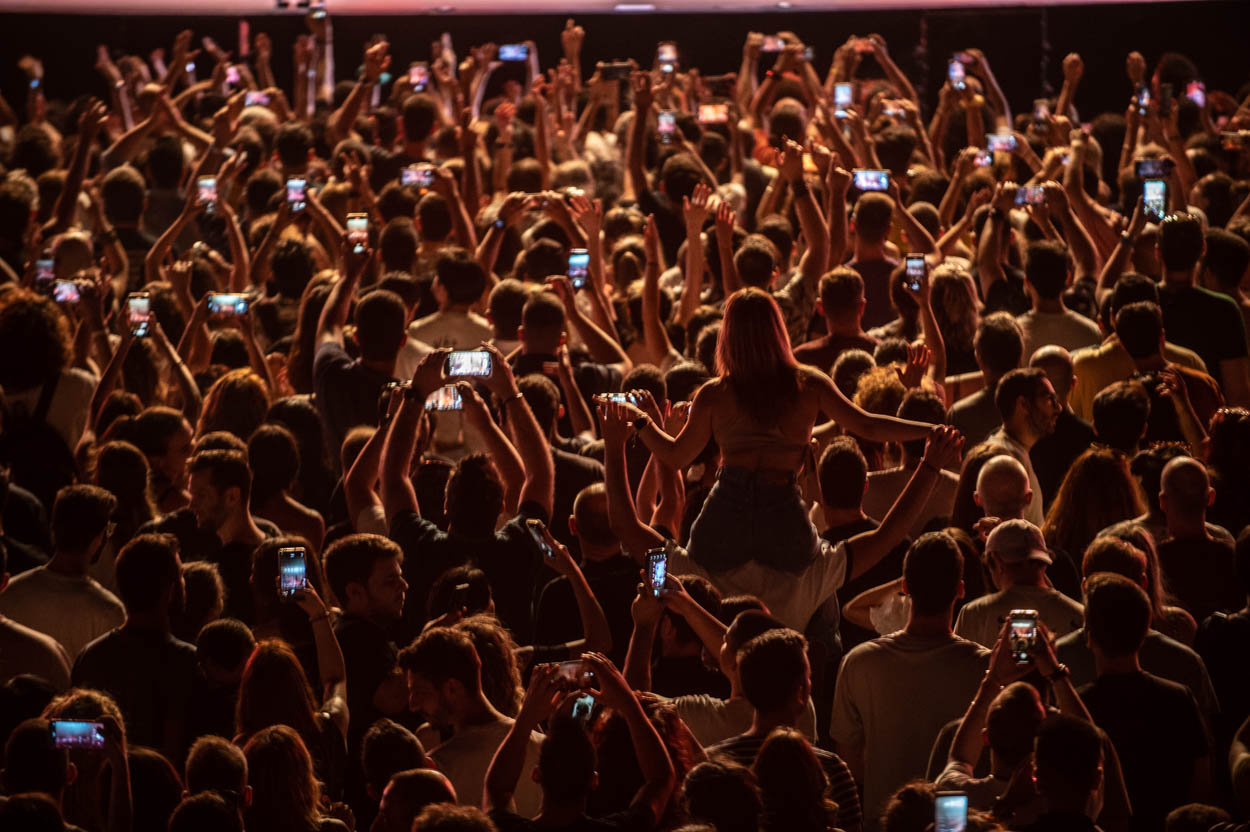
column 726, row 218
column 944, row 447
column 1135, row 67
column 695, row 207
column 377, row 60
column 1073, row 67
column 918, row 358
column 640, row 83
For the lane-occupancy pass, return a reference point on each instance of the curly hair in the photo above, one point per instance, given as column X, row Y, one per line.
column 34, row 340
column 955, row 307
column 501, row 678
column 1097, row 491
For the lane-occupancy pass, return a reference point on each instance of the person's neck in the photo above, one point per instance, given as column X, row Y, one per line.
column 842, row 516
column 764, row 724
column 1105, row 664
column 1181, row 277
column 385, row 367
column 1048, row 306
column 1186, row 526
column 1033, row 579
column 530, row 348
column 477, row 711
column 414, row 149
column 929, row 626
column 69, row 564
column 455, row 308
column 846, row 328
column 154, row 622
column 870, row 251
column 1021, row 433
column 597, row 554
column 240, row 528
column 1150, row 363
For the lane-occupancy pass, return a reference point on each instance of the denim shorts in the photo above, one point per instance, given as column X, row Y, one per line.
column 753, row 515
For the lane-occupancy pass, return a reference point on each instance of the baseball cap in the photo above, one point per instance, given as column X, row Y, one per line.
column 1017, row 541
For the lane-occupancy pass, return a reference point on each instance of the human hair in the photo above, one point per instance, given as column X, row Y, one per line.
column 205, row 598
column 683, row 380
column 387, row 749
column 273, row 457
column 16, row 207
column 292, row 143
column 155, row 778
column 433, row 218
column 122, row 470
column 215, row 764
column 506, row 301
column 841, row 291
column 79, row 515
column 540, row 259
column 723, row 793
column 679, row 174
column 1012, row 722
column 1021, row 383
column 753, row 356
column 954, row 304
column 352, row 560
column 920, row 405
column 1067, row 755
column 542, row 316
column 84, row 704
column 872, row 214
column 1121, row 411
column 756, row 261
column 285, row 792
column 1139, row 326
column 793, row 784
column 225, row 469
column 567, row 761
column 237, row 403
column 647, row 377
column 1046, row 267
column 225, row 643
column 441, row 654
column 442, row 598
column 291, row 265
column 780, row 232
column 205, row 812
column 999, row 343
column 747, row 624
column 890, row 350
column 449, row 817
column 474, row 493
column 1227, row 257
column 933, row 571
column 1117, row 614
column 146, row 567
column 274, row 691
column 1098, row 490
column 850, row 366
column 1136, row 534
column 772, row 667
column 32, row 762
column 34, row 340
column 31, row 812
column 894, row 146
column 398, row 243
column 910, row 808
column 496, row 652
column 1180, row 242
column 1195, row 817
column 543, row 398
column 380, row 320
column 843, row 473
column 419, row 116
column 124, row 193
column 1108, row 553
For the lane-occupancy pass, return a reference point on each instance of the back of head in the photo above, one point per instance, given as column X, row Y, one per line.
column 1023, row 383
column 1046, row 267
column 1067, row 757
column 280, row 772
column 1139, row 326
column 753, row 354
column 756, row 261
column 146, row 567
column 291, row 266
column 408, row 793
column 1108, row 553
column 507, row 300
column 933, row 573
column 1180, row 242
column 292, row 144
column 441, row 654
column 567, row 763
column 647, row 377
column 387, row 749
column 1121, row 411
column 474, row 493
column 215, row 764
column 1227, row 258
column 920, row 405
column 749, row 625
column 1012, row 722
column 894, row 146
column 679, row 174
column 397, row 244
column 433, row 218
column 30, row 812
column 543, row 398
column 1056, row 363
column 207, row 812
column 847, row 370
column 32, row 762
column 724, row 794
column 1195, row 817
column 590, row 513
column 774, row 671
column 1185, row 487
column 1117, row 614
column 1003, row 487
column 841, row 292
column 543, row 320
column 380, row 320
column 872, row 215
column 910, row 808
column 352, row 559
column 124, row 194
column 79, row 515
column 999, row 343
column 793, row 784
column 225, row 470
column 274, row 457
column 683, row 379
column 460, row 275
column 225, row 644
column 154, row 777
column 447, row 817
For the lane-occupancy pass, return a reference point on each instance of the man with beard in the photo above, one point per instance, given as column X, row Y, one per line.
column 1030, row 409
column 147, row 671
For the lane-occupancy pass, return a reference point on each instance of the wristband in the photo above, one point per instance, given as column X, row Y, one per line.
column 640, row 424
column 517, row 396
column 1061, row 672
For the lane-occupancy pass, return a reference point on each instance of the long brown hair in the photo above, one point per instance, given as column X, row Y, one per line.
column 753, row 355
column 1097, row 491
column 280, row 772
column 275, row 691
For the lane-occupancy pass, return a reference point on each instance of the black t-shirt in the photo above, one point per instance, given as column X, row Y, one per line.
column 1224, row 642
column 1008, row 295
column 613, row 582
column 195, row 543
column 346, row 391
column 876, row 274
column 1053, row 455
column 1158, row 734
column 668, row 222
column 1208, row 323
column 234, row 562
column 370, row 658
column 573, row 473
column 509, row 557
column 1199, row 573
column 635, row 818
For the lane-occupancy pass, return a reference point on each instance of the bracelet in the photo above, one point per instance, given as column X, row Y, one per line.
column 1061, row 672
column 517, row 396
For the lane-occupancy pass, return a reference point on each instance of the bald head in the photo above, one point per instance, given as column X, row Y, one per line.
column 1056, row 363
column 407, row 794
column 1003, row 488
column 1185, row 487
column 590, row 520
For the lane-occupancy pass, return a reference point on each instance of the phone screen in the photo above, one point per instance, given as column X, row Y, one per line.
column 65, row 291
column 1196, row 92
column 579, row 267
column 514, row 52
column 950, row 812
column 657, row 570
column 576, row 673
column 420, row 176
column 773, row 43
column 1001, row 142
column 255, row 99
column 206, row 190
column 842, row 95
column 666, row 125
column 358, row 232
column 469, row 363
column 915, row 271
column 446, row 397
column 1143, row 98
column 75, row 733
column 227, row 303
column 292, row 570
column 1023, row 635
column 1152, row 168
column 535, row 528
column 1155, row 197
column 583, row 707
column 418, row 76
column 713, row 113
column 1030, row 195
column 232, row 75
column 139, row 314
column 872, row 180
column 45, row 269
column 1041, row 110
column 984, row 159
column 956, row 73
column 666, row 53
column 616, row 70
column 296, row 193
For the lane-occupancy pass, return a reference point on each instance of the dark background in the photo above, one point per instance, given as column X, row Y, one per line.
column 1025, row 45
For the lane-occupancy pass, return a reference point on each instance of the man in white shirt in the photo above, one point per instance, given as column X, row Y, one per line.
column 1046, row 269
column 885, row 486
column 59, row 599
column 895, row 693
column 23, row 650
column 458, row 285
column 1030, row 409
column 1016, row 555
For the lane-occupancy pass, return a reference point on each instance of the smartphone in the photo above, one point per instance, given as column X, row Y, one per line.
column 957, row 74
column 297, row 193
column 232, row 76
column 1196, row 91
column 579, row 267
column 1143, row 98
column 984, row 159
column 418, row 75
column 139, row 313
column 469, row 363
column 1153, row 168
column 77, row 733
column 206, row 190
column 668, row 68
column 1041, row 111
column 863, row 46
column 666, row 126
column 292, row 570
column 1023, row 635
column 666, row 52
column 583, row 707
column 773, row 43
column 916, row 268
column 577, row 673
column 256, row 99
column 418, row 176
column 1001, row 142
column 950, row 812
column 514, row 52
column 713, row 113
column 1165, row 100
column 1030, row 195
column 65, row 291
column 657, row 570
column 1155, row 197
column 843, row 94
column 358, row 232
column 621, row 398
column 45, row 270
column 535, row 528
column 871, row 180
column 227, row 304
column 616, row 70
column 446, row 397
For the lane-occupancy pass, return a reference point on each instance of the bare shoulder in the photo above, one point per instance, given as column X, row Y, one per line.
column 711, row 391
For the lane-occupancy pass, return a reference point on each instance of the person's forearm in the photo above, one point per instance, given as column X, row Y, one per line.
column 672, row 497
column 595, row 629
column 542, row 152
column 127, row 145
column 692, row 280
column 360, row 479
column 1066, row 95
column 1114, row 267
column 471, row 182
column 580, row 418
column 635, row 536
column 108, row 379
column 919, row 240
column 341, row 121
column 598, row 343
column 896, row 77
column 260, row 260
column 655, row 337
column 815, row 232
column 730, row 281
column 67, row 201
column 461, row 224
column 932, row 335
column 950, row 202
column 989, row 266
column 908, row 509
column 240, row 265
column 638, row 657
column 330, row 664
column 156, row 255
column 257, row 359
column 1081, row 245
column 975, row 123
column 334, row 315
column 652, row 755
column 501, row 163
column 395, row 485
column 969, row 740
column 1067, row 699
column 504, row 771
column 534, row 450
column 937, row 134
column 706, row 626
column 192, row 400
column 994, row 95
column 637, row 179
column 507, row 463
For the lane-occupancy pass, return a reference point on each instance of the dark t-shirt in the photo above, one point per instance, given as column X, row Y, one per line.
column 234, row 562
column 876, row 275
column 195, row 543
column 511, row 561
column 1199, row 573
column 1208, row 323
column 1053, row 455
column 573, row 473
column 822, row 352
column 1158, row 734
column 1007, row 295
column 370, row 658
column 636, row 818
column 614, row 584
column 346, row 391
column 885, row 570
column 1224, row 642
column 667, row 221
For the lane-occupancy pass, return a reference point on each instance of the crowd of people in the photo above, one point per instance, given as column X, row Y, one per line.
column 499, row 445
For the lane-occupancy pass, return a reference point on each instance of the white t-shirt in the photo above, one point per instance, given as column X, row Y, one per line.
column 885, row 486
column 74, row 611
column 893, row 697
column 980, row 620
column 1070, row 330
column 791, row 598
column 713, row 720
column 67, row 413
column 458, row 330
column 410, row 355
column 465, row 757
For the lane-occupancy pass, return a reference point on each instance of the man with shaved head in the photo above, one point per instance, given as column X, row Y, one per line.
column 1197, row 567
column 1053, row 455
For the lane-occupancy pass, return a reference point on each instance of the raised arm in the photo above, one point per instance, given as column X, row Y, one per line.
column 990, row 246
column 395, row 485
column 360, row 481
column 596, row 634
column 872, row 426
column 530, row 442
column 635, row 536
column 658, row 347
column 636, row 178
column 330, row 662
column 694, row 214
column 90, row 123
column 501, row 451
column 602, row 347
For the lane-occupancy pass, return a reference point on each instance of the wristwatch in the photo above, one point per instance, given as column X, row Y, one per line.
column 1061, row 672
column 640, row 423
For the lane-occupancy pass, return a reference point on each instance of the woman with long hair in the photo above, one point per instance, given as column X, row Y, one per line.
column 1097, row 491
column 957, row 312
column 285, row 793
column 1172, row 621
column 793, row 785
column 275, row 691
column 760, row 412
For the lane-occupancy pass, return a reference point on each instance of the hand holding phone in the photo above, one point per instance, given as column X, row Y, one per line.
column 657, row 570
column 575, row 675
column 358, row 232
column 297, row 193
column 77, row 733
column 139, row 313
column 1023, row 635
column 292, row 570
column 871, row 180
column 950, row 812
column 468, row 363
column 446, row 397
column 1155, row 198
column 227, row 304
column 957, row 74
column 579, row 267
column 666, row 126
column 537, row 531
column 916, row 270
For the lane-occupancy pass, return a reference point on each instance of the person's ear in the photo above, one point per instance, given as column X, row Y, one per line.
column 572, row 531
column 520, row 332
column 560, row 412
column 903, row 587
column 959, row 593
column 4, row 581
column 976, row 498
column 1210, row 502
column 247, row 796
column 71, row 774
column 1028, row 497
column 820, row 308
